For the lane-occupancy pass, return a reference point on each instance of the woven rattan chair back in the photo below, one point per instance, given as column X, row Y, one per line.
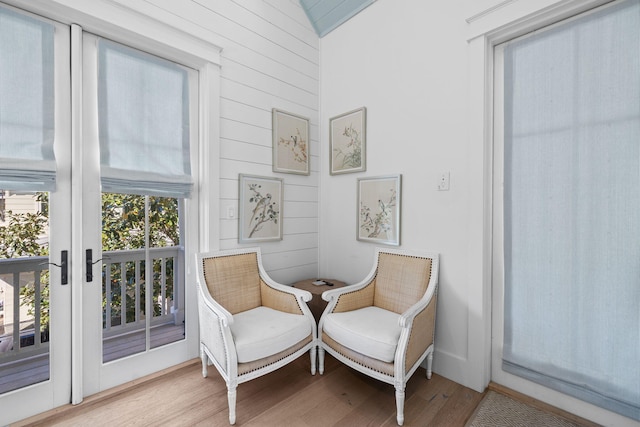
column 234, row 281
column 401, row 280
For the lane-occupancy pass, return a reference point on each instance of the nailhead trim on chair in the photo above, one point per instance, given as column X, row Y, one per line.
column 248, row 367
column 351, row 355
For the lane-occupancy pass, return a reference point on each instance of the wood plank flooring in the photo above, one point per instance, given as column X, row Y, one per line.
column 290, row 396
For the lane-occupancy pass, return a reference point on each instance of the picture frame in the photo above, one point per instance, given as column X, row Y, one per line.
column 379, row 202
column 290, row 143
column 347, row 142
column 260, row 208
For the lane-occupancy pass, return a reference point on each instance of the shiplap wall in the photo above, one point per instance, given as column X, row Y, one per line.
column 269, row 60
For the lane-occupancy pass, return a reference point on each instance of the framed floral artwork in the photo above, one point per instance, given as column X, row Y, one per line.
column 260, row 209
column 379, row 209
column 347, row 142
column 290, row 143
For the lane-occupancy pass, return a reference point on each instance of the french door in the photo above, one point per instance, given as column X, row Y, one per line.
column 35, row 279
column 114, row 314
column 136, row 326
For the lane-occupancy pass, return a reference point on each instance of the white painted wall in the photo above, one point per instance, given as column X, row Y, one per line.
column 269, row 60
column 406, row 61
column 424, row 72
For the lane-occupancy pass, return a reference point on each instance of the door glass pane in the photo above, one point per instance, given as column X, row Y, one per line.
column 126, row 301
column 24, row 289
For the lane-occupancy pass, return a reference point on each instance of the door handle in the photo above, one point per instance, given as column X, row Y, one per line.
column 89, row 262
column 63, row 266
column 89, row 265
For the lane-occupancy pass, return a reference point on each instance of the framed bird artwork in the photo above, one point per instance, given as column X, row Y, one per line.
column 290, row 143
column 379, row 209
column 260, row 209
column 347, row 142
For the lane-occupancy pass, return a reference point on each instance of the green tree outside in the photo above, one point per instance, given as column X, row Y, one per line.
column 19, row 238
column 123, row 226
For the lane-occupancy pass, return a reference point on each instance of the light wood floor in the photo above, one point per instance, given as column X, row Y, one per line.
column 290, row 396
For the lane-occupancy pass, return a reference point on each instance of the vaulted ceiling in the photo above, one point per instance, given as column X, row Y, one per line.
column 326, row 15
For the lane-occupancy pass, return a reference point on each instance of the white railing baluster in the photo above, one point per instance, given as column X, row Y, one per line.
column 137, row 291
column 123, row 293
column 16, row 312
column 37, row 335
column 107, row 293
column 163, row 285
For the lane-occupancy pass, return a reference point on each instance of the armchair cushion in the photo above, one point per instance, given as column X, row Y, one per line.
column 262, row 331
column 371, row 331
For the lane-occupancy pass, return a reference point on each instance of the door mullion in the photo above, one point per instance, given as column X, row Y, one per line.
column 77, row 183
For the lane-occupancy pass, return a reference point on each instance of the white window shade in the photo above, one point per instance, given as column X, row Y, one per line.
column 26, row 103
column 572, row 208
column 143, row 108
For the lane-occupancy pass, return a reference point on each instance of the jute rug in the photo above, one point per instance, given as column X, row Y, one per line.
column 498, row 410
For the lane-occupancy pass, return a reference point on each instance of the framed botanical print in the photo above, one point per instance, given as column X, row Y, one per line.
column 260, row 209
column 379, row 209
column 290, row 143
column 347, row 142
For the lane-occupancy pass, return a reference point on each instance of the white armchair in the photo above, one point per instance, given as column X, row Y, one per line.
column 249, row 324
column 384, row 326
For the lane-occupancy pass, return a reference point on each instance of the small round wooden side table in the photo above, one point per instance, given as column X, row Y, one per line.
column 317, row 304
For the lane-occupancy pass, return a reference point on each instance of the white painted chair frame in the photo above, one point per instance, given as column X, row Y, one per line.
column 400, row 376
column 217, row 345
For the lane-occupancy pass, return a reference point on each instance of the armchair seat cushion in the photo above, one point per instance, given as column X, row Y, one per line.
column 262, row 331
column 371, row 331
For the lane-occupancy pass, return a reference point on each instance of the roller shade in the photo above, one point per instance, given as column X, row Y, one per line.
column 143, row 109
column 572, row 208
column 27, row 161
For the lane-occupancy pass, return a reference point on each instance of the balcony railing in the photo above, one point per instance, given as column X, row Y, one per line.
column 124, row 289
column 124, row 302
column 18, row 337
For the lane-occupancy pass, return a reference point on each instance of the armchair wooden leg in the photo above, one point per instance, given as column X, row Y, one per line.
column 231, row 397
column 429, row 364
column 320, row 360
column 205, row 362
column 400, row 404
column 313, row 352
